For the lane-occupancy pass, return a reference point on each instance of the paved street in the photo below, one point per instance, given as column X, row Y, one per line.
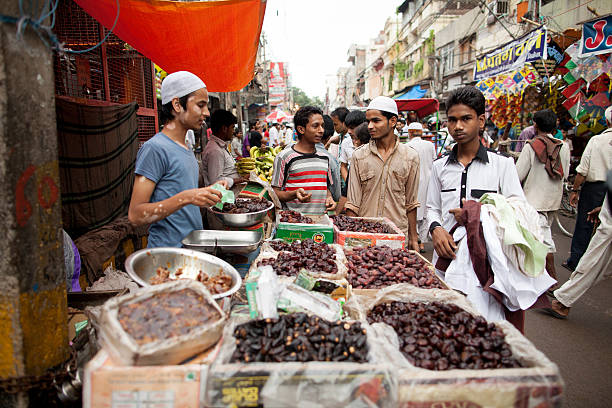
column 581, row 345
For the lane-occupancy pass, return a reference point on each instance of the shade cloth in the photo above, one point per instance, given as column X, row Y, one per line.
column 416, row 92
column 216, row 40
column 423, row 107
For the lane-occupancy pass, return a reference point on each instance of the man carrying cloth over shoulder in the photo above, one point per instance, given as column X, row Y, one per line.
column 384, row 174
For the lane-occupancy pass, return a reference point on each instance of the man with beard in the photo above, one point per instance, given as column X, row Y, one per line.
column 384, row 174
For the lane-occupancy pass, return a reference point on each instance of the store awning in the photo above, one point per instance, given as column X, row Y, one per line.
column 422, row 107
column 416, row 92
column 216, row 40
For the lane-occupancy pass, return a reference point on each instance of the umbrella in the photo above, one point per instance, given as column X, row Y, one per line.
column 276, row 116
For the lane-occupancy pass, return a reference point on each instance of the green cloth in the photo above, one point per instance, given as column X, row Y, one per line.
column 227, row 196
column 515, row 234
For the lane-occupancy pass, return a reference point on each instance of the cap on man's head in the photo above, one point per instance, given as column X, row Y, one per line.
column 383, row 104
column 608, row 114
column 179, row 84
column 415, row 126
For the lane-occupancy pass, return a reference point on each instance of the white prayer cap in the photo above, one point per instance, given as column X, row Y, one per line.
column 179, row 84
column 415, row 126
column 383, row 104
column 608, row 114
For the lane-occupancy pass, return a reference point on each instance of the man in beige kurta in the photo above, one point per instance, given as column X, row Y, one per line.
column 384, row 174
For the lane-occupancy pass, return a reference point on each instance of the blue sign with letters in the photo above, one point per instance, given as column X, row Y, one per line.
column 596, row 36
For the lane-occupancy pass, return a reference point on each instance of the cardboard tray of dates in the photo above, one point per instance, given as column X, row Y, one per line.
column 389, row 233
column 162, row 324
column 370, row 269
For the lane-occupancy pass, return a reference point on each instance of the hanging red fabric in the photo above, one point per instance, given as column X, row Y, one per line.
column 216, row 40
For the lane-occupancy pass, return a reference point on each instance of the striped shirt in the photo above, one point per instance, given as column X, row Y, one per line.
column 293, row 170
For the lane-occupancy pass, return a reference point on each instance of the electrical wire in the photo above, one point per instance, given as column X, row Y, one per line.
column 45, row 32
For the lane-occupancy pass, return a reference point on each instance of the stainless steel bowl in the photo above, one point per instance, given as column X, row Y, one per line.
column 142, row 266
column 241, row 220
column 228, row 242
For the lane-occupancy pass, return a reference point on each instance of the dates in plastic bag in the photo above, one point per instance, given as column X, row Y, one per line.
column 166, row 315
column 379, row 266
column 299, row 337
column 307, row 254
column 440, row 336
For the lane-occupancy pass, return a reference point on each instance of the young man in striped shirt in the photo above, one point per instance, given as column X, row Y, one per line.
column 302, row 177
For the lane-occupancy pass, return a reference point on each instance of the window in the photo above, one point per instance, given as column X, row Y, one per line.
column 502, row 7
column 467, row 49
column 448, row 57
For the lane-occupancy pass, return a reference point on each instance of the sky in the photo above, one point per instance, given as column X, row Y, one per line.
column 313, row 36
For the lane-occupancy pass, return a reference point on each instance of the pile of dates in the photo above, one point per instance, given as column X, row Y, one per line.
column 299, row 337
column 379, row 266
column 440, row 336
column 166, row 315
column 246, row 205
column 307, row 254
column 294, row 217
column 345, row 223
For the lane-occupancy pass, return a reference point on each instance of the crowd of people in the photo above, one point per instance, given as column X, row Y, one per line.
column 378, row 163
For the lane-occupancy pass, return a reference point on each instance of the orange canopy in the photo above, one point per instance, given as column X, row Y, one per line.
column 216, row 40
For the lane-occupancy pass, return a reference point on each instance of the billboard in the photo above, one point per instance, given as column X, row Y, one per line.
column 277, row 84
column 512, row 56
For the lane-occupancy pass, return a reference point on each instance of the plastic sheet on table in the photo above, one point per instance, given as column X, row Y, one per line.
column 309, row 384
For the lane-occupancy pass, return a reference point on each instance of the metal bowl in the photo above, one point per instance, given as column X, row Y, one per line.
column 241, row 220
column 227, row 242
column 142, row 266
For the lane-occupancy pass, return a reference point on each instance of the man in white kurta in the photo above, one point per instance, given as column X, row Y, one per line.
column 427, row 154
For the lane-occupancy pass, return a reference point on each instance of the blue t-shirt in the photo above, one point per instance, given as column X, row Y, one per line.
column 173, row 169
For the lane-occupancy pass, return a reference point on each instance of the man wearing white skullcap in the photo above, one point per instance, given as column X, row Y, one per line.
column 384, row 174
column 166, row 192
column 427, row 154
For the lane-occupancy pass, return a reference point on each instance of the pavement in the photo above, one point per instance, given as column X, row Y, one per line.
column 581, row 345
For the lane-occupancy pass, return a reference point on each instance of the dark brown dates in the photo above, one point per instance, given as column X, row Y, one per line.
column 295, row 217
column 441, row 336
column 246, row 205
column 299, row 337
column 165, row 315
column 345, row 223
column 379, row 266
column 307, row 254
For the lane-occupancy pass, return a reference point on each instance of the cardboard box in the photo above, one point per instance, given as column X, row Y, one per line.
column 109, row 384
column 350, row 239
column 254, row 190
column 321, row 231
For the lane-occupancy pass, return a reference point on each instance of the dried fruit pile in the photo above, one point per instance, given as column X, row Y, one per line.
column 216, row 284
column 166, row 315
column 440, row 336
column 295, row 217
column 246, row 205
column 313, row 256
column 345, row 223
column 299, row 337
column 379, row 266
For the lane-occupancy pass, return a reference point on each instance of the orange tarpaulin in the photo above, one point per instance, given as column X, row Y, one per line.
column 216, row 40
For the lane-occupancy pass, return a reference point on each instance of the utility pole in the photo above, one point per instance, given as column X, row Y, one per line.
column 33, row 308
